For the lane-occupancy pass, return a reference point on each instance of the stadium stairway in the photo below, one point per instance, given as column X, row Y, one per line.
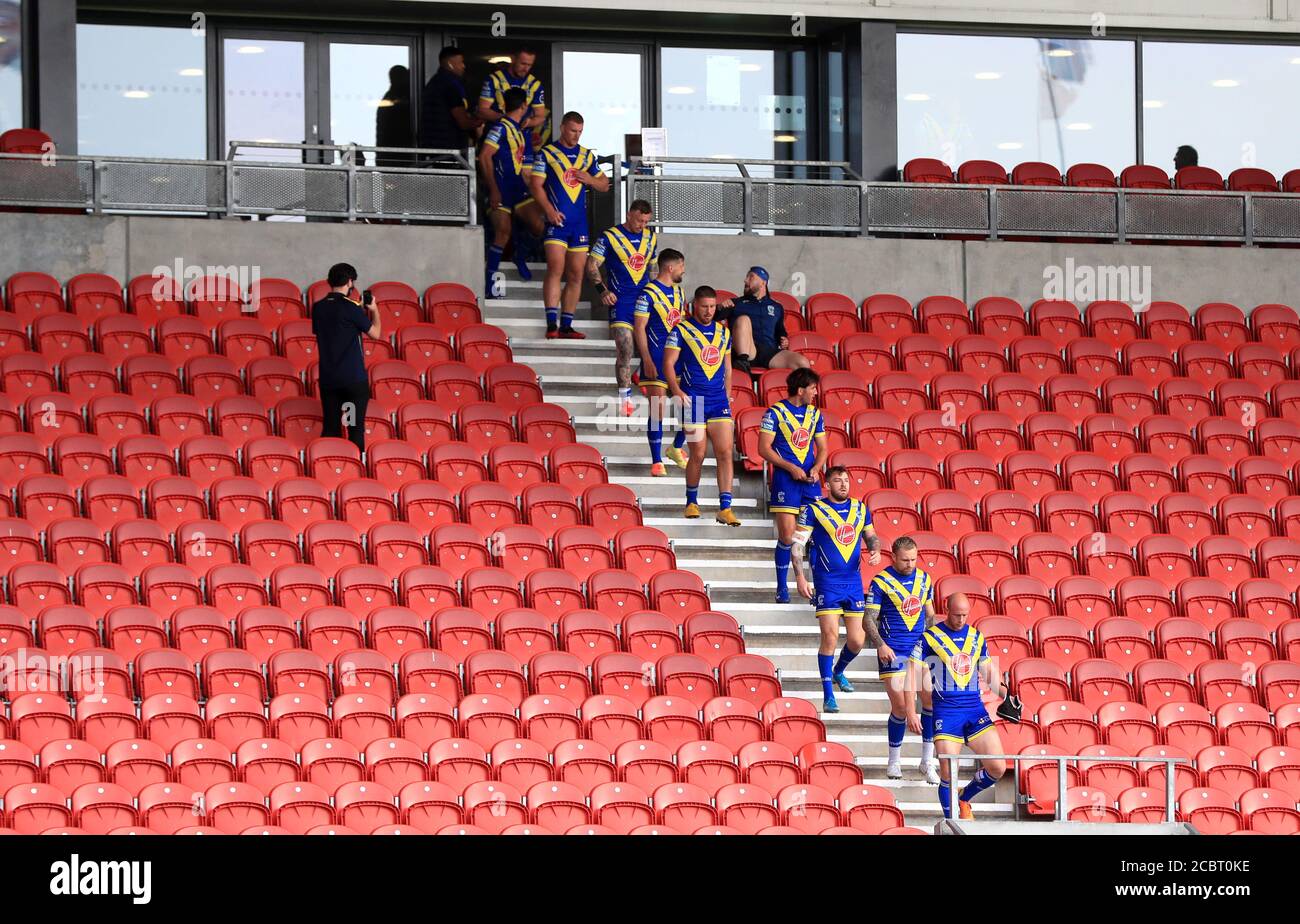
column 735, row 563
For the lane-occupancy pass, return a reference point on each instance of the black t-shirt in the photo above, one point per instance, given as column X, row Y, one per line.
column 338, row 324
column 443, row 93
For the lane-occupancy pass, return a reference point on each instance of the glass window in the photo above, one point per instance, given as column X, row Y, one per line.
column 361, row 85
column 836, row 142
column 1227, row 101
column 728, row 102
column 1011, row 100
column 11, row 64
column 265, row 83
column 141, row 91
column 606, row 88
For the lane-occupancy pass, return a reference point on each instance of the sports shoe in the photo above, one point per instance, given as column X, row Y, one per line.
column 829, row 705
column 929, row 770
column 692, row 512
column 727, row 518
column 628, row 407
column 657, row 470
column 740, row 362
column 894, row 771
column 676, row 456
column 552, row 333
column 568, row 333
column 843, row 683
column 783, row 596
column 964, row 811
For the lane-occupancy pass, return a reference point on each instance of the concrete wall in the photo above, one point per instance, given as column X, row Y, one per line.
column 64, row 245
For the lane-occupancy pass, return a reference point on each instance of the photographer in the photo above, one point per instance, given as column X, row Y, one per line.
column 338, row 322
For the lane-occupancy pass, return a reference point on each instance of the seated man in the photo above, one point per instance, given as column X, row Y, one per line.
column 757, row 323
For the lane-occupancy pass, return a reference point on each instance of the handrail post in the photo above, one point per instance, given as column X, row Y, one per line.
column 1060, row 788
column 1169, row 789
column 1248, row 217
column 350, row 167
column 1121, row 216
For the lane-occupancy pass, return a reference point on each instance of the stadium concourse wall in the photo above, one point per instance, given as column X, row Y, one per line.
column 126, row 246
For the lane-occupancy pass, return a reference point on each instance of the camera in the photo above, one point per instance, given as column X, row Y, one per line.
column 367, row 298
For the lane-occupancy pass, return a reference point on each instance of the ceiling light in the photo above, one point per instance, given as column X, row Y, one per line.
column 988, row 75
column 381, row 104
column 499, row 59
column 1010, row 146
column 1225, row 82
column 787, row 139
column 191, row 72
column 917, row 97
column 681, row 91
column 1079, row 126
column 750, row 68
column 1153, row 104
column 136, row 94
column 1060, row 53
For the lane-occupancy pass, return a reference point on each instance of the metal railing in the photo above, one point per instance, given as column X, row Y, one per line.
column 827, row 196
column 416, row 184
column 1062, row 810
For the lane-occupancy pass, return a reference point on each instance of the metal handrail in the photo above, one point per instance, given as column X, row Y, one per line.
column 1060, row 760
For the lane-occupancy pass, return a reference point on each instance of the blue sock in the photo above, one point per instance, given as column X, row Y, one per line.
column 493, row 262
column 927, row 725
column 945, row 797
column 897, row 727
column 679, row 439
column 692, row 494
column 724, row 500
column 824, row 663
column 847, row 655
column 566, row 320
column 552, row 315
column 976, row 786
column 654, row 431
column 782, row 566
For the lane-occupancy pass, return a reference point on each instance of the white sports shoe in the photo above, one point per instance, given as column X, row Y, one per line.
column 930, row 770
column 894, row 770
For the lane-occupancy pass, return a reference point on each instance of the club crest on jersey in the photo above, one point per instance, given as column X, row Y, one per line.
column 571, row 178
column 636, row 261
column 674, row 315
column 845, row 533
column 960, row 664
column 800, row 438
column 710, row 356
column 912, row 606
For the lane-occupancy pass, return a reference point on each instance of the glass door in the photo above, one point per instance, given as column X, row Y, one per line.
column 607, row 85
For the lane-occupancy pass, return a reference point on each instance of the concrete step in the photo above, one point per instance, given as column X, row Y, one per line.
column 707, row 530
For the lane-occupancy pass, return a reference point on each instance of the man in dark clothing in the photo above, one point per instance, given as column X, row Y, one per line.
column 393, row 119
column 1185, row 156
column 445, row 117
column 338, row 323
column 757, row 321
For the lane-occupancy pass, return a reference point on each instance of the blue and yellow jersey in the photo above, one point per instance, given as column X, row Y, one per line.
column 901, row 603
column 795, row 431
column 835, row 540
column 512, row 152
column 627, row 258
column 953, row 658
column 663, row 306
column 558, row 166
column 494, row 89
column 702, row 360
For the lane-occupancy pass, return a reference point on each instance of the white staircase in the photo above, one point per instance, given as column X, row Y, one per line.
column 735, row 563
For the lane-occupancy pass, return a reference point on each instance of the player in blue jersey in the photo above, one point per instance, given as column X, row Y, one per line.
column 697, row 370
column 659, row 307
column 625, row 252
column 900, row 606
column 506, row 159
column 831, row 534
column 563, row 171
column 792, row 440
column 956, row 656
column 517, row 75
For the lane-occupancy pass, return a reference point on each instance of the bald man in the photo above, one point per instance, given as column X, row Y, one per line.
column 957, row 657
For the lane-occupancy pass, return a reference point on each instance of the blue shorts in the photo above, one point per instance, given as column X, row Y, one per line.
column 623, row 312
column 514, row 193
column 840, row 598
column 702, row 410
column 790, row 496
column 961, row 723
column 656, row 354
column 902, row 646
column 572, row 234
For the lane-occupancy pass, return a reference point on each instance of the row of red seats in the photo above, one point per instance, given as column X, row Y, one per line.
column 1210, row 811
column 118, row 337
column 432, row 808
column 1095, row 176
column 216, row 298
column 269, row 379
